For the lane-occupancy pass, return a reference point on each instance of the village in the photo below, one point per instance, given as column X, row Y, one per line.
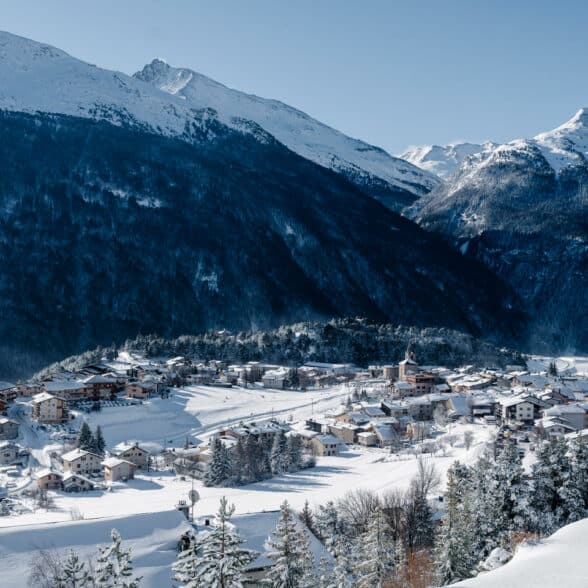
column 94, row 442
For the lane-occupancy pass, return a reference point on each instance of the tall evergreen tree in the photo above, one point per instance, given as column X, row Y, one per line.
column 288, row 552
column 186, row 566
column 99, row 442
column 456, row 555
column 74, row 573
column 222, row 559
column 376, row 562
column 85, row 438
column 279, row 457
column 220, row 469
column 114, row 566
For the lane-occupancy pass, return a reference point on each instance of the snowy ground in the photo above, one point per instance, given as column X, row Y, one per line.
column 332, row 477
column 558, row 561
column 568, row 365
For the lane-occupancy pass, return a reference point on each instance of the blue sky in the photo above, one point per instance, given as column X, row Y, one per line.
column 394, row 73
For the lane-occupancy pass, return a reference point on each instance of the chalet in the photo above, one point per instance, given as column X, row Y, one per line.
column 367, row 439
column 76, row 483
column 331, row 368
column 140, row 390
column 423, row 382
column 49, row 409
column 385, row 432
column 325, row 445
column 522, row 409
column 101, row 387
column 354, row 418
column 346, row 432
column 8, row 392
column 553, row 426
column 69, row 390
column 575, row 414
column 118, row 469
column 134, row 453
column 8, row 428
column 373, row 412
column 49, row 480
column 79, row 461
column 274, row 379
column 9, row 452
column 403, row 389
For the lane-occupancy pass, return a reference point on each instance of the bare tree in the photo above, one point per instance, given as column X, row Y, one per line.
column 427, row 478
column 45, row 568
column 355, row 509
column 468, row 438
column 393, row 503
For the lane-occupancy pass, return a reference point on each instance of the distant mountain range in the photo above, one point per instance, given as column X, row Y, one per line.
column 522, row 209
column 128, row 209
column 444, row 160
column 166, row 202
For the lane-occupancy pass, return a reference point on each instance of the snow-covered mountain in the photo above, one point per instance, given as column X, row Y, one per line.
column 522, row 208
column 443, row 160
column 177, row 102
column 370, row 167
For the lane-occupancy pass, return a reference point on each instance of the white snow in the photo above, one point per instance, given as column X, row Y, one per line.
column 558, row 561
column 444, row 160
column 153, row 537
column 295, row 129
column 35, row 77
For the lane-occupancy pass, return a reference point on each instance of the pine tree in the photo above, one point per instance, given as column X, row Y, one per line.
column 114, row 568
column 85, row 438
column 579, row 463
column 456, row 555
column 73, row 574
column 552, row 496
column 220, row 469
column 342, row 571
column 376, row 563
column 327, row 524
column 307, row 517
column 99, row 442
column 293, row 453
column 279, row 457
column 221, row 558
column 186, row 566
column 288, row 552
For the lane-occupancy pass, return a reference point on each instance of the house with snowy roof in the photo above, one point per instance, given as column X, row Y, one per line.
column 48, row 408
column 76, row 483
column 8, row 428
column 118, row 469
column 132, row 452
column 80, row 461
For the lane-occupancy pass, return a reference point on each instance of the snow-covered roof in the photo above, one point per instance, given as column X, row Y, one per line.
column 63, row 385
column 99, row 379
column 76, row 454
column 43, row 397
column 112, row 462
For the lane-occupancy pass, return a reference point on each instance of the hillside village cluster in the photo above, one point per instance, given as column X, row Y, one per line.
column 411, row 402
column 402, row 408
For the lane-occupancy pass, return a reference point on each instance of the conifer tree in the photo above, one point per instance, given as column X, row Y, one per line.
column 114, row 567
column 279, row 458
column 221, row 557
column 186, row 566
column 306, row 516
column 85, row 438
column 74, row 573
column 456, row 554
column 288, row 552
column 98, row 441
column 220, row 469
column 376, row 563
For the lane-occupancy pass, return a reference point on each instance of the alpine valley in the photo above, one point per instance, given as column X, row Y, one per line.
column 167, row 203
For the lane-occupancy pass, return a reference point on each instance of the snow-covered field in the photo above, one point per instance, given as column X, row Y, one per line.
column 197, row 411
column 153, row 538
column 566, row 365
column 556, row 562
